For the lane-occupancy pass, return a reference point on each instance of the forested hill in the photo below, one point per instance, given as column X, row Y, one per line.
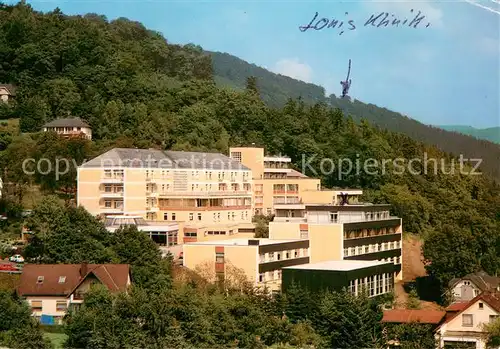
column 491, row 134
column 137, row 90
column 275, row 89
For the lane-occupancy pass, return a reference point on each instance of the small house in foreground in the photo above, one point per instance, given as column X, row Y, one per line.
column 51, row 289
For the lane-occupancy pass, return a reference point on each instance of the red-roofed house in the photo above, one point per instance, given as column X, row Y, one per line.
column 402, row 316
column 51, row 289
column 464, row 322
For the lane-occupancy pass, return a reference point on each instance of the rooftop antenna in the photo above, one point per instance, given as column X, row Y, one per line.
column 347, row 83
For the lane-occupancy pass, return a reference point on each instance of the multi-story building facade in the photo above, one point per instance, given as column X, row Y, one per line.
column 276, row 183
column 342, row 232
column 198, row 189
column 375, row 278
column 260, row 260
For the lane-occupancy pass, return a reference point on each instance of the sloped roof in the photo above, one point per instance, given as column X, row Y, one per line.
column 413, row 315
column 295, row 174
column 491, row 298
column 154, row 158
column 481, row 279
column 113, row 276
column 11, row 88
column 457, row 306
column 67, row 122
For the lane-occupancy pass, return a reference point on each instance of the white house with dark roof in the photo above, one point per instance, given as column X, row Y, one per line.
column 7, row 92
column 70, row 127
column 471, row 285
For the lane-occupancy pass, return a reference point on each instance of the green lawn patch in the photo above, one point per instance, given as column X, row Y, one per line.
column 57, row 339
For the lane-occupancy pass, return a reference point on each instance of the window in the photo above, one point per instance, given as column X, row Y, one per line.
column 367, row 249
column 346, row 252
column 262, row 258
column 481, row 305
column 296, row 253
column 493, row 317
column 270, row 275
column 36, row 305
column 219, row 257
column 271, row 256
column 107, row 203
column 199, row 216
column 371, row 285
column 173, row 216
column 304, row 234
column 261, row 278
column 39, row 280
column 191, row 216
column 61, row 306
column 62, row 279
column 278, row 256
column 467, row 320
column 352, row 287
column 333, row 217
column 165, row 216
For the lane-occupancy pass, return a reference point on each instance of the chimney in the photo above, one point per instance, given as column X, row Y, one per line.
column 83, row 269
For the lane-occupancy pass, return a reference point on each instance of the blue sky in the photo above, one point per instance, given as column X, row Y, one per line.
column 448, row 73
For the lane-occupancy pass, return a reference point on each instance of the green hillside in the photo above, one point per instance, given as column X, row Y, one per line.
column 491, row 134
column 275, row 90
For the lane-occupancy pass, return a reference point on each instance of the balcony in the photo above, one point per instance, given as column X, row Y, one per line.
column 277, row 159
column 204, row 208
column 113, row 179
column 206, row 193
column 277, row 170
column 289, row 219
column 111, row 194
column 111, row 209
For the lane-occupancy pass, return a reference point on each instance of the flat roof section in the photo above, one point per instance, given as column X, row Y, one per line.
column 242, row 242
column 338, row 265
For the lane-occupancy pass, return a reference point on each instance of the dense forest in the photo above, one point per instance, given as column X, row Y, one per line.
column 138, row 90
column 275, row 90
